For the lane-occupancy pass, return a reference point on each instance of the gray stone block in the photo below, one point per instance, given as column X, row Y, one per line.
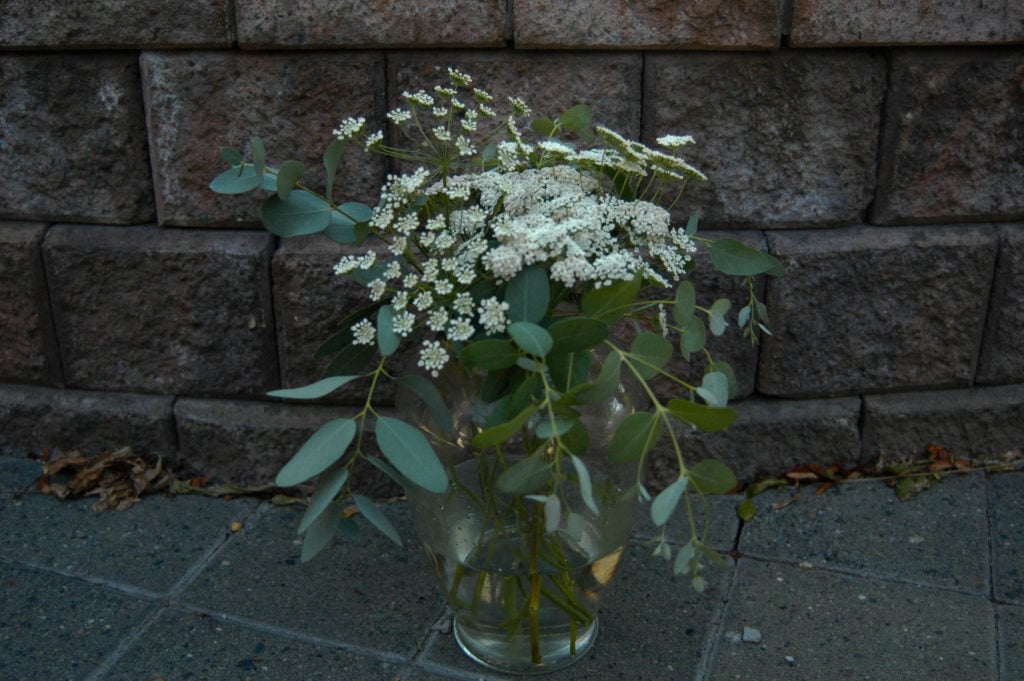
column 55, row 627
column 951, row 142
column 821, row 625
column 864, row 528
column 373, row 23
column 199, row 101
column 258, row 577
column 74, row 138
column 771, row 437
column 115, row 24
column 245, row 443
column 786, row 139
column 828, row 23
column 548, row 83
column 1007, row 510
column 982, row 422
column 150, row 547
column 36, row 418
column 629, row 25
column 1011, row 644
column 1002, row 354
column 162, row 310
column 186, row 645
column 28, row 345
column 866, row 309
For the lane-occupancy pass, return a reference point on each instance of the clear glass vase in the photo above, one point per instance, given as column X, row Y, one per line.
column 524, row 586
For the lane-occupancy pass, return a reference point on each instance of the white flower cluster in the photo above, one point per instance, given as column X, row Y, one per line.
column 522, row 203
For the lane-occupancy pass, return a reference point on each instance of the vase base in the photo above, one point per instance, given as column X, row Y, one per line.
column 513, row 656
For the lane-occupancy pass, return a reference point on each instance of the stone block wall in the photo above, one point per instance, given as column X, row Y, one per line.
column 877, row 149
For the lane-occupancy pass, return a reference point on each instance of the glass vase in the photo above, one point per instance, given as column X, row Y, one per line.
column 524, row 582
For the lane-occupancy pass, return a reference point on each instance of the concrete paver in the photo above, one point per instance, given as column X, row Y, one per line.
column 852, row 584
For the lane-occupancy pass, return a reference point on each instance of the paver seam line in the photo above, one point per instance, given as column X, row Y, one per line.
column 713, row 639
column 869, row 575
column 426, row 642
column 997, row 641
column 125, row 589
column 290, row 634
column 123, row 646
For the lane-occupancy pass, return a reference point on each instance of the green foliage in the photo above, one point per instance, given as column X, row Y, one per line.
column 730, row 256
column 300, row 213
column 376, row 518
column 528, row 295
column 411, row 454
column 321, row 500
column 313, row 391
column 634, row 437
column 326, row 446
column 711, row 476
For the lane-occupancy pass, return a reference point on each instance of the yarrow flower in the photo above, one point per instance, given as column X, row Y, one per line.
column 433, row 357
column 363, row 333
column 349, row 128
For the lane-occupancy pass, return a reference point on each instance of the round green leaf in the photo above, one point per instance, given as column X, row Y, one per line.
column 733, row 257
column 609, row 303
column 409, row 451
column 711, row 476
column 577, row 333
column 634, row 437
column 236, row 181
column 533, row 339
column 714, row 389
column 525, row 476
column 493, row 353
column 649, row 353
column 288, row 174
column 686, row 302
column 703, row 417
column 326, row 446
column 694, row 335
column 528, row 294
column 301, row 213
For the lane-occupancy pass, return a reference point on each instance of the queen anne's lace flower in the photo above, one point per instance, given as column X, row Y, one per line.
column 433, row 357
column 363, row 332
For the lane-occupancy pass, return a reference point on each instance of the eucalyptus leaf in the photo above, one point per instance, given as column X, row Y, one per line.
column 323, row 496
column 585, row 484
column 332, row 157
column 733, row 257
column 431, row 396
column 387, row 340
column 525, row 476
column 376, row 518
column 326, row 446
column 701, row 416
column 409, row 451
column 259, row 155
column 313, row 391
column 288, row 174
column 609, row 303
column 340, row 229
column 577, row 333
column 577, row 119
column 649, row 353
column 492, row 353
column 543, row 126
column 533, row 339
column 236, row 181
column 714, row 389
column 665, row 503
column 711, row 476
column 557, row 427
column 691, row 224
column 495, row 435
column 685, row 303
column 634, row 437
column 351, row 359
column 694, row 335
column 552, row 514
column 233, row 157
column 683, row 559
column 301, row 213
column 319, row 534
column 606, row 383
column 528, row 295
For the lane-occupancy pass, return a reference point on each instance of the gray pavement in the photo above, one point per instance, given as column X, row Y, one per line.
column 852, row 584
